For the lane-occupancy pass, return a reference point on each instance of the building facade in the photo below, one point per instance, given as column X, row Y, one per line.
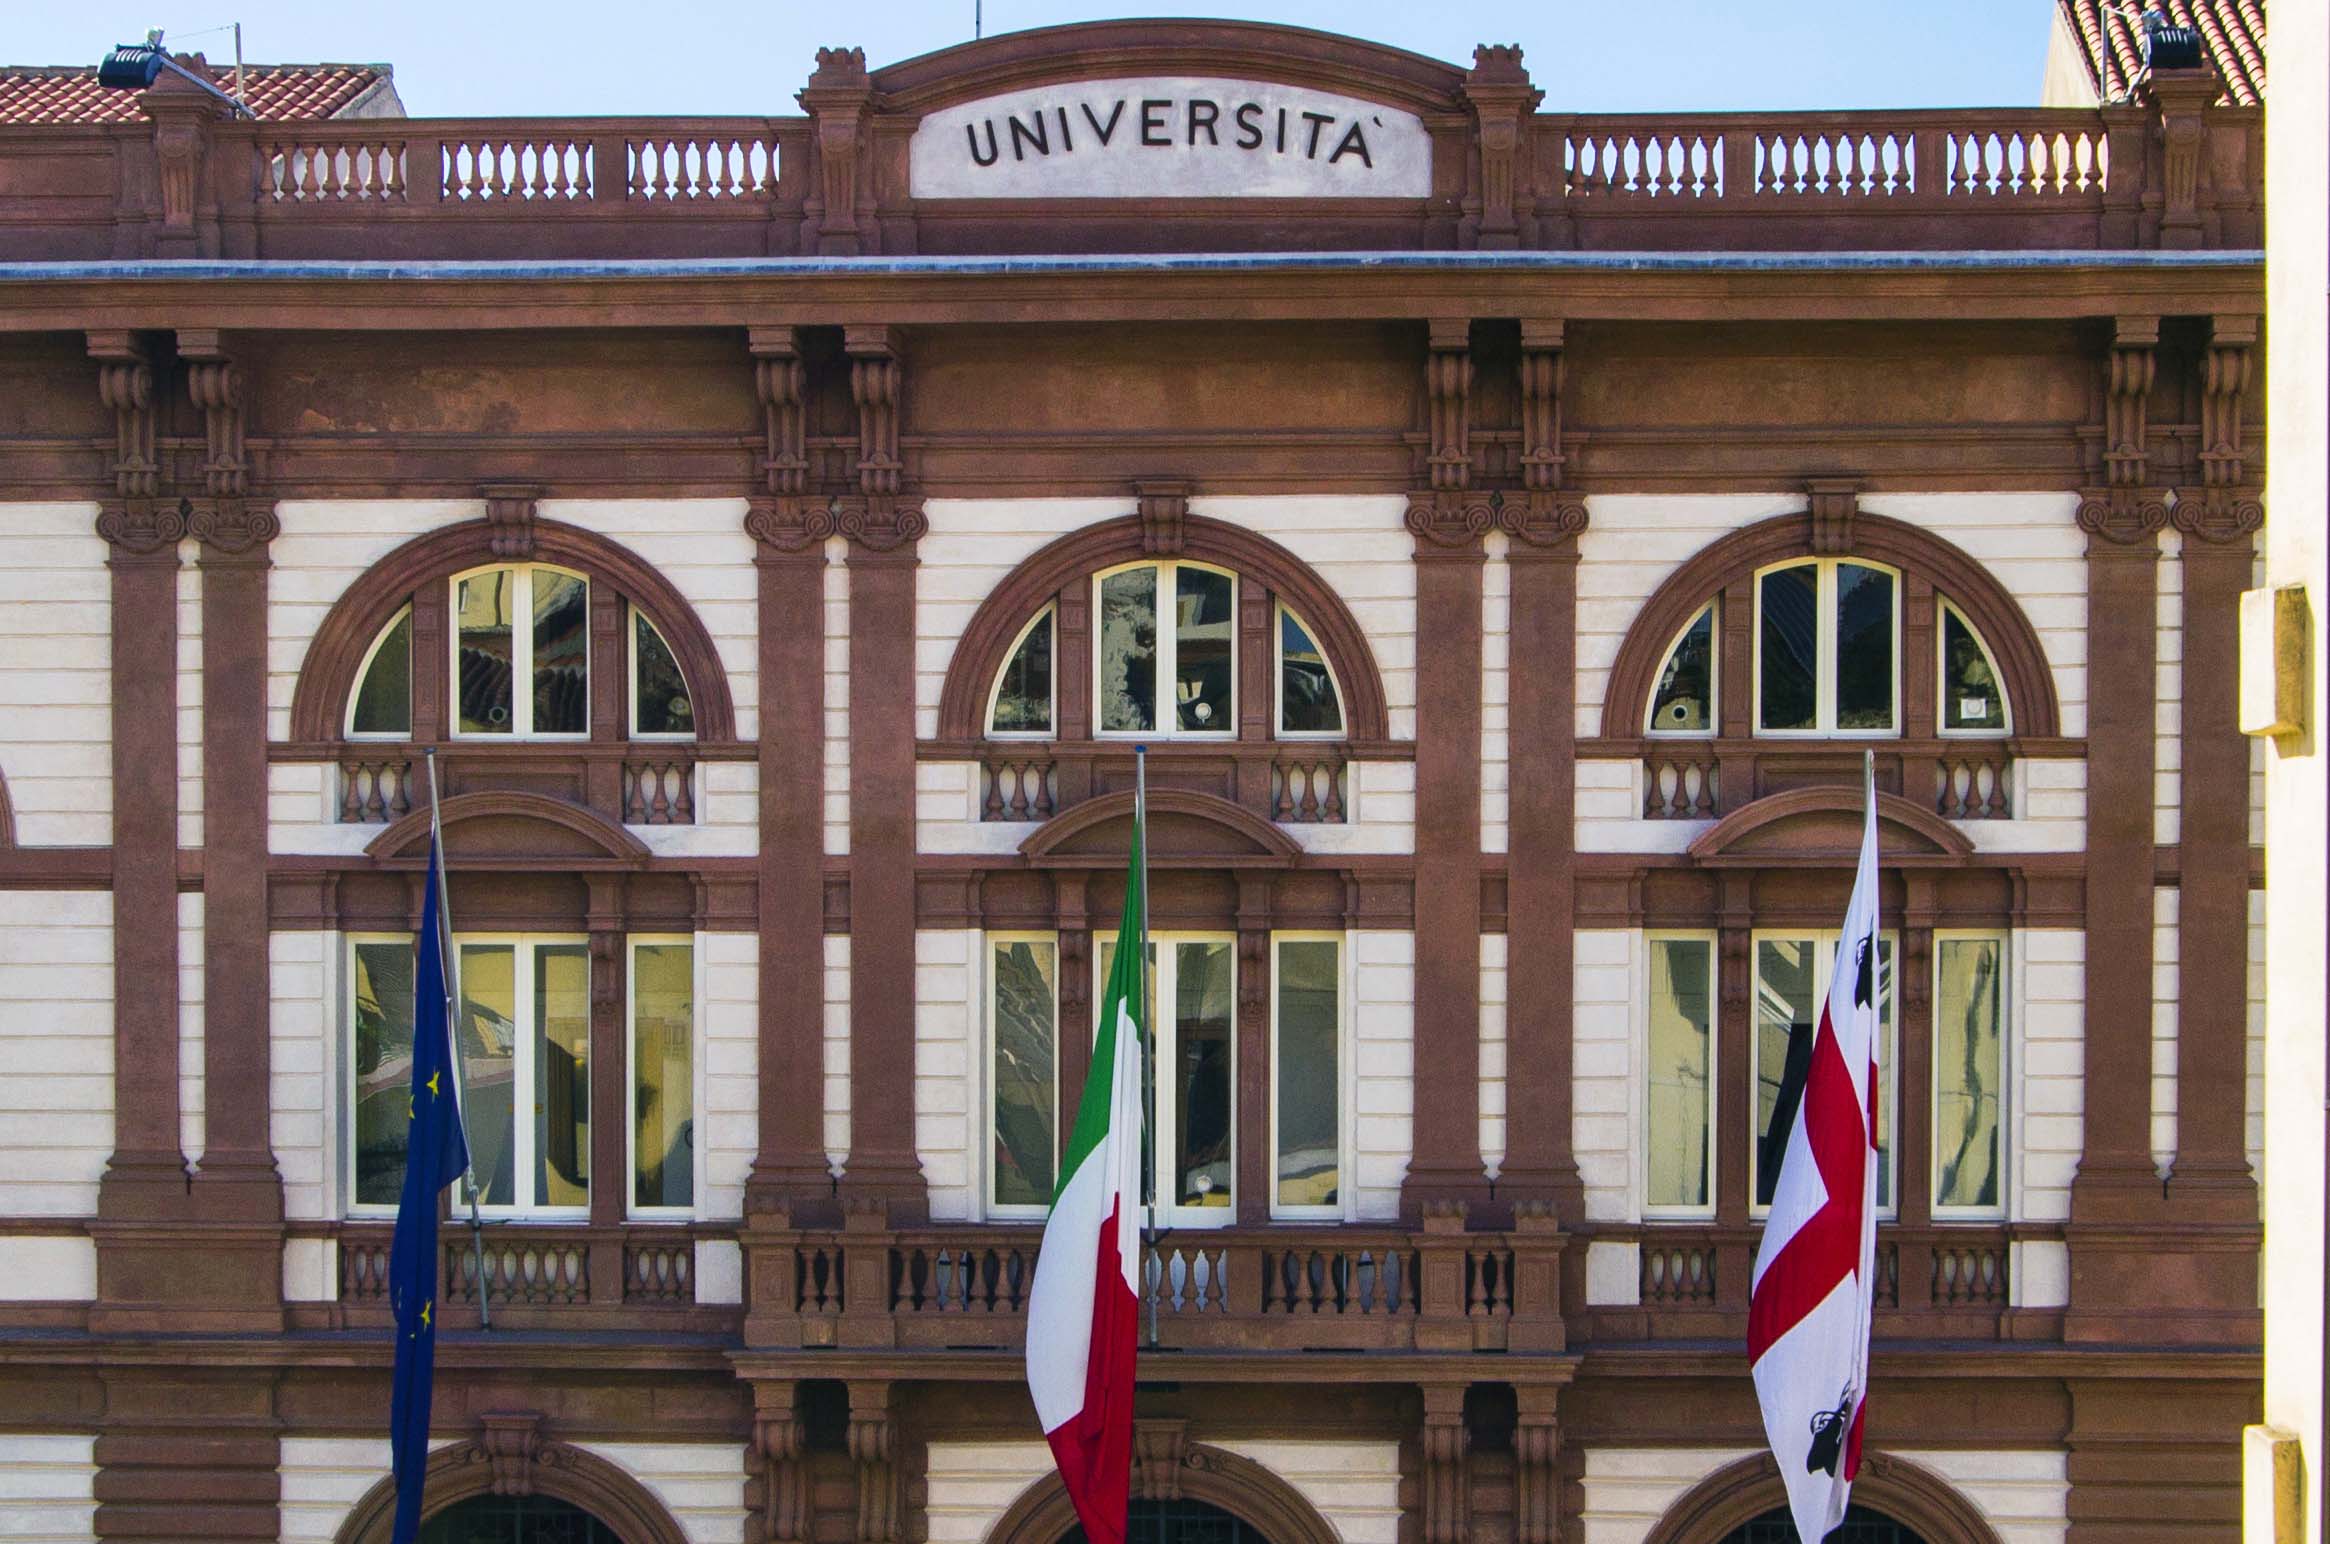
column 1507, row 529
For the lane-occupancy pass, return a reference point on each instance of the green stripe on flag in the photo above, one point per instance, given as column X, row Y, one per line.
column 1124, row 993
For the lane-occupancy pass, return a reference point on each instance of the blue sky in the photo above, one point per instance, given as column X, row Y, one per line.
column 463, row 58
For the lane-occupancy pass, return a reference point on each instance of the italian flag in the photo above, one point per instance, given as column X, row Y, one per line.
column 1084, row 1310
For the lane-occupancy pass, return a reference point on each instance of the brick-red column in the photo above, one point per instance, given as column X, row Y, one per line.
column 1541, row 880
column 790, row 559
column 2212, row 1178
column 882, row 1163
column 1446, row 1163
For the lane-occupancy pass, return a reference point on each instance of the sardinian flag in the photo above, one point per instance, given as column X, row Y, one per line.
column 1083, row 1313
column 1808, row 1312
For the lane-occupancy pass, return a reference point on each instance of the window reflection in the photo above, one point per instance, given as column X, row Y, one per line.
column 1023, row 696
column 1309, row 1081
column 1204, row 627
column 1864, row 647
column 1685, row 701
column 1025, row 1071
column 1128, row 650
column 1307, row 702
column 1789, row 649
column 663, row 1090
column 1680, row 1053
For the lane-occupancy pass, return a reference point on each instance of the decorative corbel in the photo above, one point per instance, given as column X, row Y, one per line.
column 780, row 1441
column 1536, row 1470
column 1502, row 100
column 1833, row 502
column 224, row 519
column 1160, row 1449
column 781, row 383
column 2125, row 511
column 837, row 98
column 2226, row 507
column 1442, row 1447
column 1164, row 508
column 1544, row 516
column 509, row 510
column 878, row 517
column 1448, row 395
column 510, row 1441
column 873, row 1448
column 125, row 384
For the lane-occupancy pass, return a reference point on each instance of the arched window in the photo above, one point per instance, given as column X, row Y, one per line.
column 520, row 665
column 1861, row 1526
column 1166, row 662
column 515, row 1520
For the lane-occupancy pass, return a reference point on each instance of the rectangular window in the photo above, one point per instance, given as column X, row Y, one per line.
column 1679, row 1101
column 663, row 1075
column 1128, row 651
column 1023, row 1073
column 1969, row 1075
column 1791, row 981
column 1307, row 1079
column 524, row 1023
column 1191, row 1076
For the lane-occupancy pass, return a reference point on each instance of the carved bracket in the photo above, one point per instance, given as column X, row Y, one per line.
column 214, row 384
column 2223, row 509
column 125, row 384
column 1160, row 1449
column 1833, row 502
column 2128, row 377
column 509, row 509
column 1448, row 374
column 875, row 378
column 1536, row 1471
column 781, row 382
column 511, row 1442
column 1164, row 510
column 1541, row 368
column 1442, row 1448
column 780, row 1441
column 872, row 1447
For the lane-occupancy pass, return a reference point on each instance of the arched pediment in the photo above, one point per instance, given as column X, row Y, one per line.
column 1821, row 828
column 328, row 674
column 1084, row 51
column 515, row 831
column 1966, row 583
column 1740, row 1492
column 1074, row 558
column 1186, row 830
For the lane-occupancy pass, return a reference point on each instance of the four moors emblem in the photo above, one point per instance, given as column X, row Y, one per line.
column 1171, row 137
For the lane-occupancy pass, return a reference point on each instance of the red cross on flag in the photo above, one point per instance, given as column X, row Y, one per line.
column 1808, row 1309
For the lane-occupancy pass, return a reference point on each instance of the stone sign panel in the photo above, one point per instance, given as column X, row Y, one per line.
column 1171, row 137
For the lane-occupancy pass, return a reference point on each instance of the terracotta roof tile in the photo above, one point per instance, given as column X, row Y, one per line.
column 2110, row 33
column 70, row 94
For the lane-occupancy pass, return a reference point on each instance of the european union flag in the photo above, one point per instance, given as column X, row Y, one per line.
column 435, row 1155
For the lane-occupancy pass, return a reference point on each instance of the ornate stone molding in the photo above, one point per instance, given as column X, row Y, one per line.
column 1160, row 1451
column 1498, row 90
column 2218, row 515
column 1833, row 503
column 1450, row 519
column 510, row 1444
column 838, row 97
column 1544, row 520
column 140, row 527
column 780, row 1440
column 1163, row 507
column 2123, row 517
column 512, row 1456
column 234, row 527
column 780, row 381
column 509, row 511
column 882, row 522
column 789, row 523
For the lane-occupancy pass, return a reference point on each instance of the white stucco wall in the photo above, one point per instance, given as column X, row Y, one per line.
column 191, row 1113
column 947, row 1035
column 48, row 1488
column 56, row 1039
column 1603, row 1118
column 56, row 662
column 304, row 971
column 727, row 1078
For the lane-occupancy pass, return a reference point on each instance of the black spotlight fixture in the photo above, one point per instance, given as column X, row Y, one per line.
column 2168, row 46
column 135, row 66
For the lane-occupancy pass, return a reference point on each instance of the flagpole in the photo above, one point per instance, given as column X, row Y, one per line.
column 1148, row 1013
column 450, row 951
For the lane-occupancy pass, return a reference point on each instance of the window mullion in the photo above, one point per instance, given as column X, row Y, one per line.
column 522, row 652
column 522, row 1077
column 1166, row 709
column 1824, row 649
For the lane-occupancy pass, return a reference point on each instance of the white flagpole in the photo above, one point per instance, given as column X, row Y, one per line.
column 450, row 952
column 1149, row 1289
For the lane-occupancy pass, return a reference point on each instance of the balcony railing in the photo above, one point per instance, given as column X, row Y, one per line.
column 2020, row 178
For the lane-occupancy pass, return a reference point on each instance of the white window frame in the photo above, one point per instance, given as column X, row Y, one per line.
column 1824, row 653
column 1167, row 659
column 1164, row 1050
column 364, row 671
column 2003, row 939
column 988, row 944
column 1051, row 686
column 1824, row 946
column 632, row 944
column 1944, row 610
column 1663, row 1211
column 523, row 1078
column 521, row 654
column 1713, row 612
column 1344, row 1206
column 1278, row 679
column 631, row 684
